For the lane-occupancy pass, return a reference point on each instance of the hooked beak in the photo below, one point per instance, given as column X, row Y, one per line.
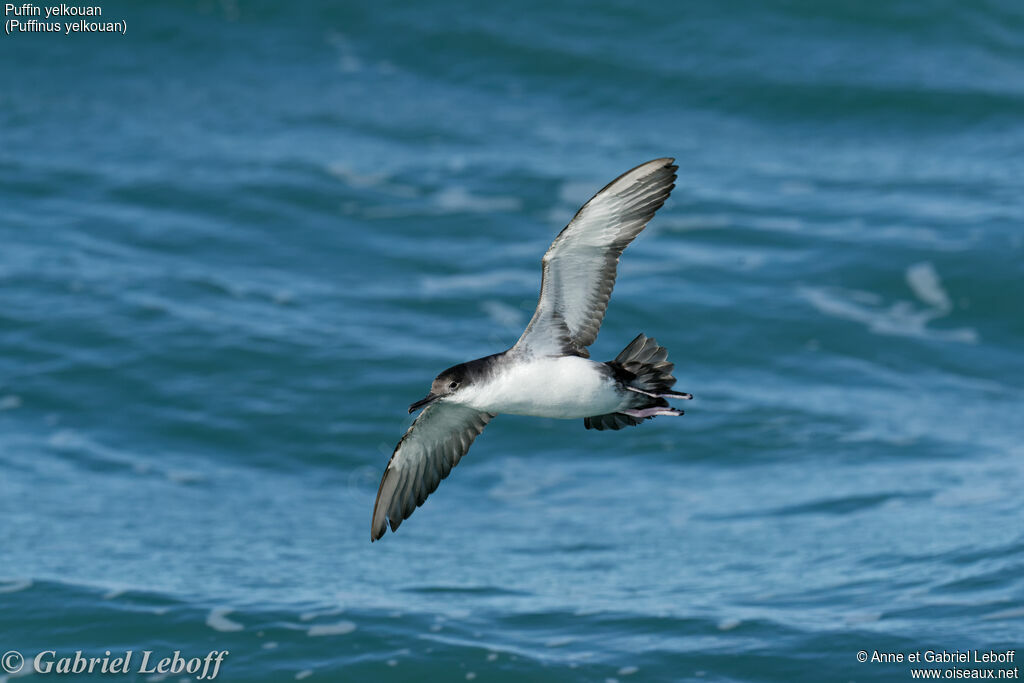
column 429, row 398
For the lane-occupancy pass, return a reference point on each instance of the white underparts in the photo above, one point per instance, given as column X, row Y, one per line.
column 561, row 387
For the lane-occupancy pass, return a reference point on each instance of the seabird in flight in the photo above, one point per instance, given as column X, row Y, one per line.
column 547, row 372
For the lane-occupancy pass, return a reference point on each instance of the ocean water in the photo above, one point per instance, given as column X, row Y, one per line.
column 237, row 241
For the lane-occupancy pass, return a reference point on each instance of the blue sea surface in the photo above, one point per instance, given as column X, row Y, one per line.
column 237, row 241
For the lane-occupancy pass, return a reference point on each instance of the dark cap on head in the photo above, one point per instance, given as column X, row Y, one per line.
column 456, row 377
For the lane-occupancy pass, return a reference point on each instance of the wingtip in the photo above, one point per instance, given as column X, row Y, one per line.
column 640, row 174
column 379, row 528
column 378, row 521
column 665, row 167
column 663, row 162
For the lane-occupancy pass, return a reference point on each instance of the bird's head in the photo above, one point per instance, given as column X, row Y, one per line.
column 444, row 385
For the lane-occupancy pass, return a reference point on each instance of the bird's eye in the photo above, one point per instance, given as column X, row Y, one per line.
column 453, row 385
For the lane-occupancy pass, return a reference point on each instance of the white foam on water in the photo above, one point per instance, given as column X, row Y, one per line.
column 923, row 279
column 218, row 620
column 901, row 318
column 696, row 221
column 1013, row 613
column 560, row 641
column 457, row 199
column 728, row 624
column 338, row 629
column 519, row 481
column 503, row 314
column 10, row 402
column 26, row 670
column 269, row 645
column 65, row 438
column 71, row 440
column 628, row 670
column 576, row 192
column 305, row 673
column 184, row 477
column 492, row 280
column 15, row 586
column 310, row 616
column 968, row 496
column 382, row 182
column 354, row 178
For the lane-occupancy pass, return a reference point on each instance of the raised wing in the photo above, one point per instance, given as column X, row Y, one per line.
column 431, row 447
column 579, row 267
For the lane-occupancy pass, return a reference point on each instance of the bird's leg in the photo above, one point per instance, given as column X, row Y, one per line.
column 673, row 394
column 645, row 413
column 670, row 394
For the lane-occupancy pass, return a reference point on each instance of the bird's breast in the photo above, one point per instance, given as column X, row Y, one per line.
column 562, row 387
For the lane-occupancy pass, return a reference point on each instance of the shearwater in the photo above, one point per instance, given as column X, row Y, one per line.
column 547, row 372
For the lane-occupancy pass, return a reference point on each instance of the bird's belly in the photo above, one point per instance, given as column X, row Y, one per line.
column 566, row 387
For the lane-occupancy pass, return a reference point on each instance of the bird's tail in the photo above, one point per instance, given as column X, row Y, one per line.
column 643, row 368
column 648, row 363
